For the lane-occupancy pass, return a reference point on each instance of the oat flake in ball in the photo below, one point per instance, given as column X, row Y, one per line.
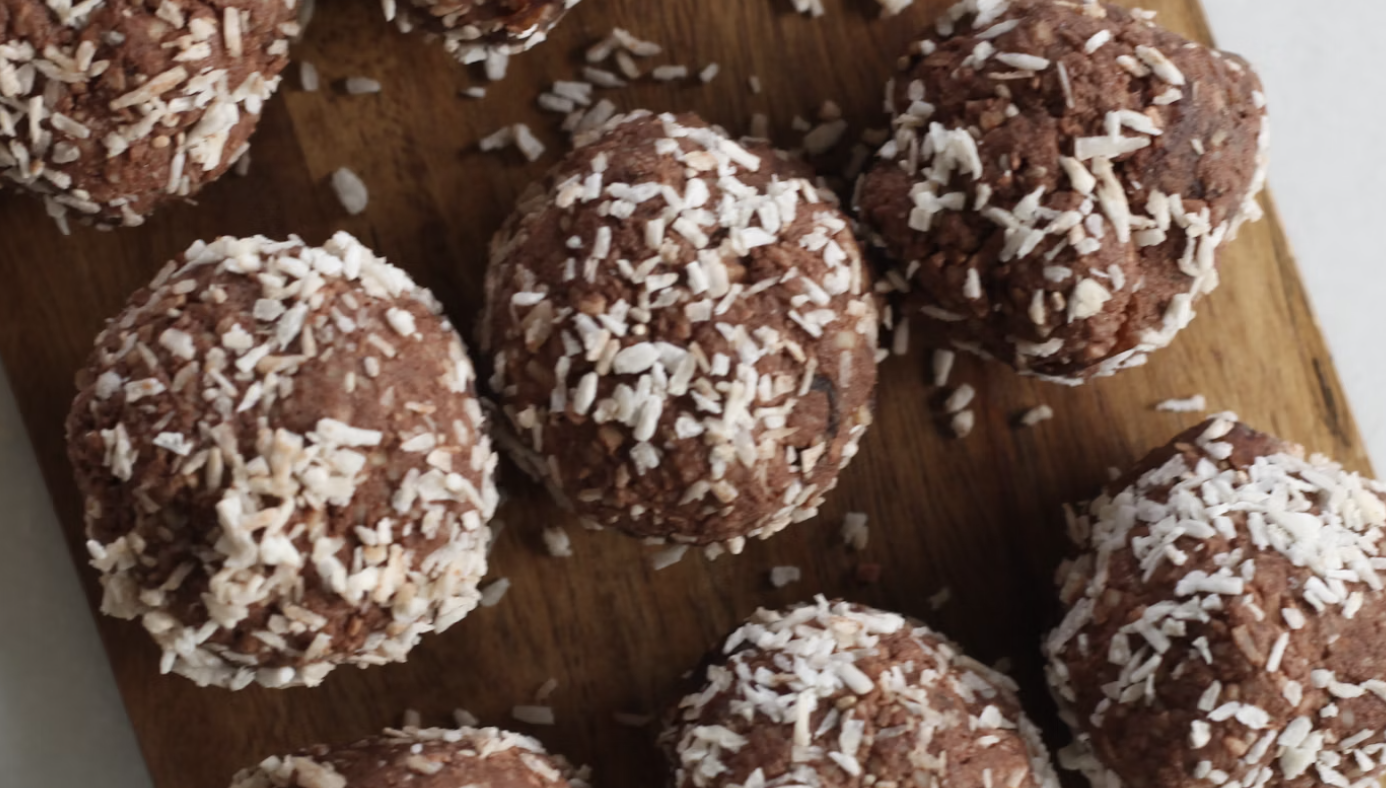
column 420, row 758
column 1061, row 180
column 833, row 694
column 111, row 108
column 284, row 462
column 683, row 334
column 1224, row 623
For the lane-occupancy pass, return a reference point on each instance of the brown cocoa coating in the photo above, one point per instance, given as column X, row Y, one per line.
column 929, row 710
column 507, row 23
column 825, row 382
column 1022, row 127
column 193, row 339
column 1149, row 741
column 116, row 163
column 427, row 758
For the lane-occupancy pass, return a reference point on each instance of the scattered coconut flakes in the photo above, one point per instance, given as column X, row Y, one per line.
column 412, row 719
column 893, row 7
column 670, row 73
column 634, row 45
column 709, row 72
column 308, row 77
column 474, row 92
column 358, row 86
column 760, row 126
column 937, row 601
column 533, row 715
column 558, row 543
column 528, row 144
column 824, row 137
column 813, row 8
column 1195, row 404
column 603, row 78
column 465, row 719
column 855, row 531
column 830, row 110
column 242, row 165
column 554, row 103
column 667, row 557
column 1036, row 415
column 782, row 576
column 943, row 366
column 961, row 397
column 632, row 720
column 754, row 82
column 501, row 138
column 963, row 423
column 546, row 690
column 351, row 191
column 492, row 594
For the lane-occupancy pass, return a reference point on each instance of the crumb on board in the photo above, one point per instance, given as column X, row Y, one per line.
column 943, row 366
column 351, row 191
column 1195, row 404
column 782, row 576
column 855, row 531
column 961, row 397
column 1035, row 415
column 938, row 600
column 557, row 542
column 492, row 594
column 534, row 715
column 962, row 423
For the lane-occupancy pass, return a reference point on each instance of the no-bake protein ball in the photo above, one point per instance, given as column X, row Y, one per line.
column 1061, row 179
column 420, row 758
column 834, row 694
column 1224, row 626
column 475, row 31
column 683, row 333
column 284, row 463
column 109, row 108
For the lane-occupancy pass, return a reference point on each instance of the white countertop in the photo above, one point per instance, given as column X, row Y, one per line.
column 61, row 722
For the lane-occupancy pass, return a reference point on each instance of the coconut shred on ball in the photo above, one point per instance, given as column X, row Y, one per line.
column 284, row 463
column 1224, row 624
column 835, row 694
column 1061, row 180
column 110, row 108
column 477, row 31
column 420, row 758
column 683, row 334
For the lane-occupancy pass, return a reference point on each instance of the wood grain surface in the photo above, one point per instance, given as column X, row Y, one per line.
column 980, row 516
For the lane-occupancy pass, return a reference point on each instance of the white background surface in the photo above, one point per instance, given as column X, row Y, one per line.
column 61, row 722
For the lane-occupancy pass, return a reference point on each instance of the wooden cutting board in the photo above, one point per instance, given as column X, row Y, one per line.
column 981, row 517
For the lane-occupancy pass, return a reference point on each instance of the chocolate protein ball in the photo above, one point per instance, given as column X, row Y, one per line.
column 476, row 31
column 110, row 108
column 683, row 334
column 1061, row 179
column 833, row 694
column 420, row 758
column 284, row 463
column 1225, row 624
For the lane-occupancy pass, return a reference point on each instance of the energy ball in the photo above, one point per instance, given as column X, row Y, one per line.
column 420, row 758
column 477, row 31
column 284, row 463
column 1061, row 179
column 834, row 694
column 683, row 332
column 109, row 109
column 1224, row 625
